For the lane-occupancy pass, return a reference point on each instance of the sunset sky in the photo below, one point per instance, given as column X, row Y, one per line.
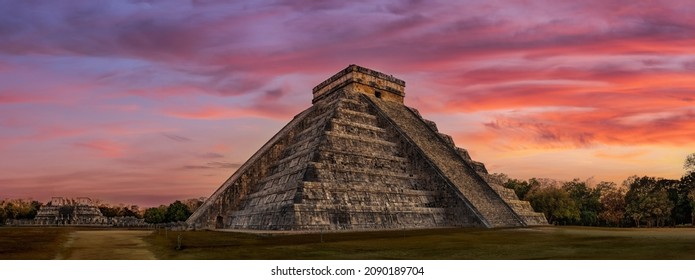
column 146, row 102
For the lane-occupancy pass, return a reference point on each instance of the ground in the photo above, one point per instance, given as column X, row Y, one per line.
column 457, row 244
column 106, row 244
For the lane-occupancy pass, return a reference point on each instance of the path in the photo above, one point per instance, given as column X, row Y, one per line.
column 106, row 245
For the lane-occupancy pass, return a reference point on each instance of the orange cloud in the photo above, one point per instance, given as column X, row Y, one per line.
column 631, row 155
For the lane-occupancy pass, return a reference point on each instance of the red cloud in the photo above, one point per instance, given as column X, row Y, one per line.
column 271, row 111
column 104, row 148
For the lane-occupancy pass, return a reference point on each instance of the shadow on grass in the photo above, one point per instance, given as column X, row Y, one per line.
column 32, row 243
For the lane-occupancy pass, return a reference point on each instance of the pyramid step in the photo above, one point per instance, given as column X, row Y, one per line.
column 300, row 146
column 343, row 141
column 359, row 117
column 267, row 217
column 356, row 209
column 280, row 198
column 328, row 102
column 320, row 116
column 505, row 193
column 353, row 105
column 354, row 160
column 282, row 178
column 313, row 130
column 363, row 187
column 292, row 157
column 351, row 156
column 331, row 153
column 357, row 129
column 338, row 173
column 335, row 218
column 520, row 205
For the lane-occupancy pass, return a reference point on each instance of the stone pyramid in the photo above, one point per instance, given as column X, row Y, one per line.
column 360, row 159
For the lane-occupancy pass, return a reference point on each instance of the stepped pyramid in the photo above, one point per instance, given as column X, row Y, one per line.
column 360, row 159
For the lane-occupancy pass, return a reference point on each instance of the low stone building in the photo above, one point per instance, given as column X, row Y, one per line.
column 68, row 211
column 360, row 159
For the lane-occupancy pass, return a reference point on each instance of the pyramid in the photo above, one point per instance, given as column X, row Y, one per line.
column 359, row 159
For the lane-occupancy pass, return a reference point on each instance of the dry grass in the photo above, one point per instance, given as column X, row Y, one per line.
column 106, row 245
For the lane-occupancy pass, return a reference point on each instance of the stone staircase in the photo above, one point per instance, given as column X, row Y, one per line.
column 480, row 197
column 359, row 178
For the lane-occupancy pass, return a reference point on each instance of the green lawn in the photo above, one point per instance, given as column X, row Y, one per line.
column 456, row 244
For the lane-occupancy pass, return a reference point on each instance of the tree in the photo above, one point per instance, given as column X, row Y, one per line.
column 678, row 194
column 586, row 199
column 689, row 164
column 3, row 213
column 155, row 215
column 521, row 188
column 555, row 203
column 647, row 198
column 35, row 206
column 691, row 196
column 659, row 207
column 127, row 212
column 687, row 186
column 108, row 211
column 612, row 203
column 177, row 211
column 21, row 208
column 635, row 196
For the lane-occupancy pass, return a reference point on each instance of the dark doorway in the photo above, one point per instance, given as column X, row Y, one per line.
column 219, row 222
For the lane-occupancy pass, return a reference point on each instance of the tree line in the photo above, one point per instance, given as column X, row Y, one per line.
column 26, row 209
column 18, row 209
column 639, row 201
column 176, row 212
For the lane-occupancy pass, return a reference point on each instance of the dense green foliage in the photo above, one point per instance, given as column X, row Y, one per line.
column 640, row 201
column 155, row 215
column 556, row 204
column 175, row 212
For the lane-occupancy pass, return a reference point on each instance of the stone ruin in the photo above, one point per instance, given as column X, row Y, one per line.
column 66, row 211
column 359, row 159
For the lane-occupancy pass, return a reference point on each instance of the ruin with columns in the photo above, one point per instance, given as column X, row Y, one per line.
column 69, row 211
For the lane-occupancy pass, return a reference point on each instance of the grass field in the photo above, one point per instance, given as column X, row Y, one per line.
column 454, row 244
column 32, row 243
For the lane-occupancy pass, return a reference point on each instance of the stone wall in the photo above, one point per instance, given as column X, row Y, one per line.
column 359, row 79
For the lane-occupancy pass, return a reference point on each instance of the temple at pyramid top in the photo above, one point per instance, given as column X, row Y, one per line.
column 360, row 79
column 359, row 159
